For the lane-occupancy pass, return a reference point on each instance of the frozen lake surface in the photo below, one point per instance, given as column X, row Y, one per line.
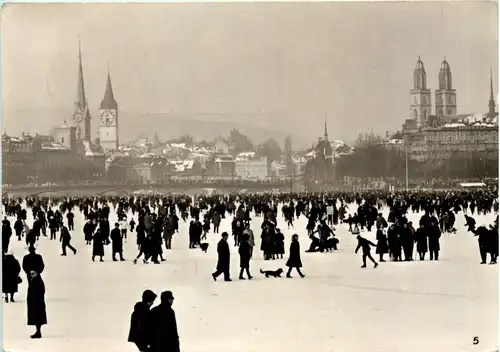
column 397, row 307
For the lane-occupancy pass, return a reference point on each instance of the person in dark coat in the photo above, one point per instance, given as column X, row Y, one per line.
column 245, row 252
column 434, row 235
column 37, row 315
column 223, row 262
column 141, row 323
column 382, row 245
column 494, row 242
column 483, row 240
column 71, row 220
column 165, row 337
column 31, row 237
column 365, row 245
column 294, row 259
column 6, row 234
column 279, row 244
column 117, row 242
column 88, row 230
column 65, row 239
column 407, row 242
column 421, row 239
column 97, row 245
column 267, row 237
column 32, row 261
column 18, row 228
column 10, row 276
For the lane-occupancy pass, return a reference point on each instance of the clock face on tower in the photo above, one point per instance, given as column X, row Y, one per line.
column 108, row 118
column 77, row 117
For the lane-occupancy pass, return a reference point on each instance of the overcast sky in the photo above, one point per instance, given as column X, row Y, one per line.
column 282, row 64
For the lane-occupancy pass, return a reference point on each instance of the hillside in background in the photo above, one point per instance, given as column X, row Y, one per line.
column 167, row 125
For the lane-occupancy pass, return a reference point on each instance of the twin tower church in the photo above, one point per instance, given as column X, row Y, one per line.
column 82, row 119
column 445, row 97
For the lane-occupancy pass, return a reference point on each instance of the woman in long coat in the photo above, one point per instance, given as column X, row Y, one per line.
column 267, row 240
column 97, row 245
column 245, row 252
column 37, row 315
column 10, row 276
column 382, row 245
column 294, row 259
column 421, row 239
column 279, row 244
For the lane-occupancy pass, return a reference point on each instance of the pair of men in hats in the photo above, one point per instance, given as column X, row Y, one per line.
column 154, row 330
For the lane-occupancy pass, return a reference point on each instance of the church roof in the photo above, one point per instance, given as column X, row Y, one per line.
column 109, row 102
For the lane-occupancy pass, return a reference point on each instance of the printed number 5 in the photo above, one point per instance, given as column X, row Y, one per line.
column 475, row 340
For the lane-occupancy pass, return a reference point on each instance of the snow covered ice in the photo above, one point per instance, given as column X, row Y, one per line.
column 397, row 307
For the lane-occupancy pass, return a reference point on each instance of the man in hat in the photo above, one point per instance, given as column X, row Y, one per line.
column 224, row 258
column 117, row 242
column 164, row 335
column 141, row 323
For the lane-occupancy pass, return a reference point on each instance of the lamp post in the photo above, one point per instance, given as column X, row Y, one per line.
column 406, row 162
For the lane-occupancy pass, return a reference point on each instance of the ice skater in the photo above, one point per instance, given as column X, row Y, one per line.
column 65, row 239
column 365, row 245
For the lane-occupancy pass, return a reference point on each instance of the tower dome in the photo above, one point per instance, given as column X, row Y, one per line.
column 445, row 65
column 420, row 65
column 445, row 76
column 419, row 76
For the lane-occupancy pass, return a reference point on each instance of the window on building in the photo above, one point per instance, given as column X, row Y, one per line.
column 62, row 140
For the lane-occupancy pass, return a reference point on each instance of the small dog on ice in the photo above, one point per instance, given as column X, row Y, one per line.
column 204, row 247
column 273, row 273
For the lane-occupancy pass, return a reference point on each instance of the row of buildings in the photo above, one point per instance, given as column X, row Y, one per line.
column 42, row 159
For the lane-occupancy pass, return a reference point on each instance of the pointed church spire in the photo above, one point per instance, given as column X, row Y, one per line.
column 108, row 102
column 81, row 113
column 326, row 130
column 81, row 100
column 491, row 105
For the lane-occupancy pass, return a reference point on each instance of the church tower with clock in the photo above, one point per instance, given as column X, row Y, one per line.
column 108, row 127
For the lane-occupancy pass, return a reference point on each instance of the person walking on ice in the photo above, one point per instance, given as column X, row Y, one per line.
column 294, row 259
column 365, row 245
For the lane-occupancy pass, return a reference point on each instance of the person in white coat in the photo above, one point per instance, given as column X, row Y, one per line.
column 123, row 227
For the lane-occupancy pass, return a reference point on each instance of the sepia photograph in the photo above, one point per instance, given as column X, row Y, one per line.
column 250, row 176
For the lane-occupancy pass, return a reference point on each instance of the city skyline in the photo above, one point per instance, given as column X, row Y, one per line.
column 296, row 64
